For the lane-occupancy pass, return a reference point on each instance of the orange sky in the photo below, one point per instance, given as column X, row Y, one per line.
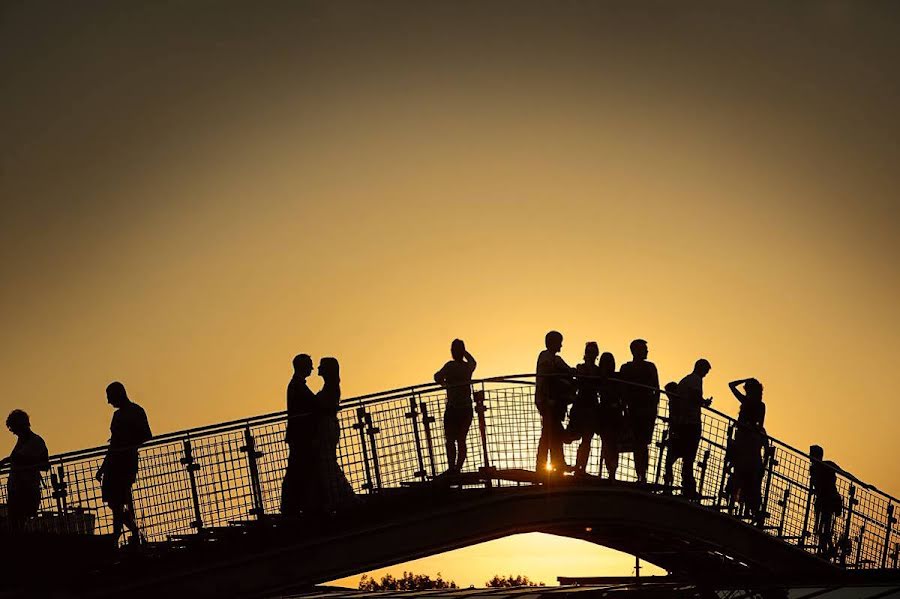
column 192, row 197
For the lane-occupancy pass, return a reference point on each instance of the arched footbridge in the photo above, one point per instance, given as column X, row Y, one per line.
column 208, row 504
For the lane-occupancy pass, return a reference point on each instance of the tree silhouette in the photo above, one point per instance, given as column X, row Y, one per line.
column 511, row 581
column 407, row 582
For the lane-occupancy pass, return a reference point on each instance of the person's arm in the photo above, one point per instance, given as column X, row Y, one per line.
column 655, row 383
column 440, row 377
column 145, row 433
column 43, row 457
column 470, row 361
column 733, row 385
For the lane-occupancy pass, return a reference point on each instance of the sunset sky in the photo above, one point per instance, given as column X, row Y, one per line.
column 192, row 193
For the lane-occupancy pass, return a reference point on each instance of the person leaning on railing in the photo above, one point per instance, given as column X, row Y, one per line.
column 28, row 458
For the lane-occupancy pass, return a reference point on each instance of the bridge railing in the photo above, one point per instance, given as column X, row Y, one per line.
column 200, row 479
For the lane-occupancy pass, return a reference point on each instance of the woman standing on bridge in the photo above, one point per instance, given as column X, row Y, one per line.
column 330, row 486
column 585, row 410
column 749, row 441
column 610, row 416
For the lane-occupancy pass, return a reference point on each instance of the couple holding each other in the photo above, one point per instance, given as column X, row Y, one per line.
column 313, row 480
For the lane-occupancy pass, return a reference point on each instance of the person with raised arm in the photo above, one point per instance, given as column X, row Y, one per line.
column 129, row 430
column 552, row 395
column 641, row 392
column 456, row 377
column 26, row 461
column 300, row 438
column 746, row 451
column 685, row 428
column 584, row 413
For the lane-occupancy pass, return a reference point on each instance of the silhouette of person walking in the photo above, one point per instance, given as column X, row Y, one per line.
column 26, row 461
column 456, row 377
column 641, row 401
column 552, row 395
column 585, row 410
column 749, row 440
column 610, row 417
column 299, row 436
column 129, row 430
column 828, row 501
column 685, row 427
column 333, row 488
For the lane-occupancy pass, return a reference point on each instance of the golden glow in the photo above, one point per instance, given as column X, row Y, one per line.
column 190, row 199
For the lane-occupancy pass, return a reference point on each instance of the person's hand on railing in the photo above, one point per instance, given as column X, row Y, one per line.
column 707, row 402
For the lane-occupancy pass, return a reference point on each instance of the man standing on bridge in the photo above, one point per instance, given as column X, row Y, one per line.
column 685, row 427
column 300, row 437
column 552, row 394
column 456, row 377
column 641, row 391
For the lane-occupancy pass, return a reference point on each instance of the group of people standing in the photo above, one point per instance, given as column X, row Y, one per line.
column 574, row 404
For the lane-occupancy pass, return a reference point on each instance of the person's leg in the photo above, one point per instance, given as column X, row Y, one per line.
column 584, row 451
column 555, row 441
column 129, row 520
column 118, row 520
column 462, row 451
column 641, row 458
column 688, row 483
column 450, row 438
column 543, row 444
column 610, row 454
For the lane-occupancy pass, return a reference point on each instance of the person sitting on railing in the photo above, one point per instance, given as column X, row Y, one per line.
column 129, row 430
column 610, row 416
column 456, row 377
column 828, row 504
column 299, row 436
column 685, row 427
column 552, row 395
column 745, row 453
column 641, row 403
column 584, row 413
column 28, row 458
column 331, row 486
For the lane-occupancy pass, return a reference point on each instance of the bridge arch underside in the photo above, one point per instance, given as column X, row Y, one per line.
column 691, row 542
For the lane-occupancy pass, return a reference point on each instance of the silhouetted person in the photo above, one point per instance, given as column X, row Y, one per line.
column 641, row 401
column 746, row 452
column 129, row 430
column 685, row 427
column 828, row 501
column 331, row 486
column 456, row 376
column 585, row 410
column 28, row 458
column 551, row 396
column 673, row 453
column 611, row 415
column 300, row 438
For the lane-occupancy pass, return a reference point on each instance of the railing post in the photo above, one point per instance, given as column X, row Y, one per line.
column 896, row 557
column 413, row 415
column 480, row 409
column 770, row 468
column 249, row 448
column 60, row 489
column 427, row 421
column 723, row 481
column 845, row 539
column 784, row 505
column 371, row 431
column 660, row 455
column 887, row 534
column 859, row 543
column 360, row 426
column 703, row 464
column 188, row 462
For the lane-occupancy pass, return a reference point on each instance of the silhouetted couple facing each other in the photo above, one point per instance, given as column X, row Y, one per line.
column 313, row 480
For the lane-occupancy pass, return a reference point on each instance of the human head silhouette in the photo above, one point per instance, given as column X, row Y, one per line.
column 457, row 349
column 553, row 341
column 18, row 422
column 702, row 367
column 591, row 351
column 816, row 452
column 754, row 389
column 330, row 370
column 607, row 364
column 639, row 349
column 303, row 365
column 671, row 388
column 116, row 395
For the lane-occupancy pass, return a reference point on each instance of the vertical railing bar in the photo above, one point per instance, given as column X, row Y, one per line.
column 480, row 409
column 361, row 427
column 371, row 431
column 413, row 414
column 845, row 539
column 887, row 534
column 763, row 514
column 249, row 448
column 427, row 421
column 784, row 506
column 191, row 466
column 702, row 482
